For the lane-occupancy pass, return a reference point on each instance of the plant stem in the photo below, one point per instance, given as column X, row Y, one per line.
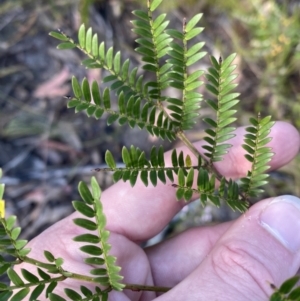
column 138, row 287
column 193, row 149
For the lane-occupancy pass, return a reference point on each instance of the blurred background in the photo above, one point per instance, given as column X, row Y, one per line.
column 45, row 149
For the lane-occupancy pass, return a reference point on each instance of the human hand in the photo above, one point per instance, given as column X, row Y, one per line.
column 232, row 261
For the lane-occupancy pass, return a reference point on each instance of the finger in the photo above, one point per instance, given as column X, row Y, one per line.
column 261, row 247
column 141, row 212
column 174, row 259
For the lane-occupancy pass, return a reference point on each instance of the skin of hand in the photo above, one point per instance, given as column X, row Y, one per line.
column 236, row 260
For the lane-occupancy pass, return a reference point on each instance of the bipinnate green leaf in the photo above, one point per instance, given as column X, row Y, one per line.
column 145, row 105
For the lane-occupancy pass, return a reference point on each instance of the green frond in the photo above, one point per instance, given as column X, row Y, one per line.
column 154, row 44
column 131, row 111
column 91, row 207
column 123, row 81
column 258, row 154
column 121, row 77
column 220, row 84
column 154, row 169
column 185, row 112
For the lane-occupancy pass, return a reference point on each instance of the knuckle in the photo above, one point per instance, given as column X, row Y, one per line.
column 238, row 266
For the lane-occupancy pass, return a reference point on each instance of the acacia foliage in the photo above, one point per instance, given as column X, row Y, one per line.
column 168, row 54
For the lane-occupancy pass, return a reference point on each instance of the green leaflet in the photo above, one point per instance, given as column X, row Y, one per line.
column 155, row 4
column 49, row 256
column 14, row 277
column 193, row 22
column 29, row 276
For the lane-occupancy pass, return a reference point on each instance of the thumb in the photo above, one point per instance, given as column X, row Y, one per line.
column 261, row 247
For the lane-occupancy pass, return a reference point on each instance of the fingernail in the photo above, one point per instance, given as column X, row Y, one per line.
column 281, row 218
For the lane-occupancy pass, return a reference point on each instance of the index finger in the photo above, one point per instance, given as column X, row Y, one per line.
column 141, row 212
